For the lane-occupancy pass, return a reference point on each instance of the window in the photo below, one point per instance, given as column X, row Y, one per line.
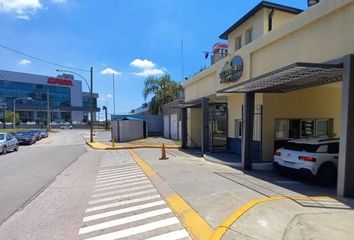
column 238, row 128
column 249, row 35
column 307, row 128
column 322, row 149
column 282, row 129
column 322, row 127
column 238, row 43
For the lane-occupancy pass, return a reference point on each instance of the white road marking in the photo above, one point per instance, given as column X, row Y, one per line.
column 118, row 169
column 121, row 182
column 122, row 203
column 121, row 178
column 122, row 196
column 121, row 186
column 117, row 175
column 136, row 230
column 179, row 234
column 121, row 164
column 122, row 191
column 125, row 220
column 124, row 210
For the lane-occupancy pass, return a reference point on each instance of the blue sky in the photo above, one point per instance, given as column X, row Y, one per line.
column 133, row 37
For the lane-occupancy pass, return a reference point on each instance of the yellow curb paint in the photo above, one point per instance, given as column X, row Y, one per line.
column 101, row 146
column 195, row 224
column 222, row 228
column 143, row 165
column 191, row 220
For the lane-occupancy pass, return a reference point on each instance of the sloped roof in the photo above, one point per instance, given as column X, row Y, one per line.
column 261, row 5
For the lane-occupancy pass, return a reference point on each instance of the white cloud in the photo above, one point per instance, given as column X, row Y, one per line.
column 147, row 68
column 22, row 8
column 143, row 64
column 24, row 62
column 110, row 71
column 109, row 96
column 150, row 72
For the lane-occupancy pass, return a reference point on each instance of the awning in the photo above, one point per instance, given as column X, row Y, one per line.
column 293, row 77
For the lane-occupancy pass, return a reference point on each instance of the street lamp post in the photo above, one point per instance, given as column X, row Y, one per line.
column 14, row 119
column 90, row 87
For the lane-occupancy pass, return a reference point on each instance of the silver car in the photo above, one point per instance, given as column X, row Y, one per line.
column 8, row 142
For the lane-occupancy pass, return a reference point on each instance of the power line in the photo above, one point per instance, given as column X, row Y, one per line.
column 42, row 60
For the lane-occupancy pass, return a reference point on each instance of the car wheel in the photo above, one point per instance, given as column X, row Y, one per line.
column 327, row 174
column 4, row 150
column 16, row 148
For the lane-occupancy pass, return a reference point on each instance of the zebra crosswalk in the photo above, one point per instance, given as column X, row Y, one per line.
column 125, row 205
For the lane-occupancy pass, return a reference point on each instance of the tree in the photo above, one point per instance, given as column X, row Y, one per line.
column 164, row 89
column 9, row 117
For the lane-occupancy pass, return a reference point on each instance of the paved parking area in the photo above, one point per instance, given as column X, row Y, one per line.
column 256, row 205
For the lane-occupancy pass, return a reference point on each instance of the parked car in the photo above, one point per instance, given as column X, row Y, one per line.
column 44, row 133
column 37, row 133
column 66, row 127
column 8, row 142
column 27, row 138
column 316, row 157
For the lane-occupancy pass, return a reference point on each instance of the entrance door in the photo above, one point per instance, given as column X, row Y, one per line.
column 166, row 126
column 218, row 127
column 174, row 127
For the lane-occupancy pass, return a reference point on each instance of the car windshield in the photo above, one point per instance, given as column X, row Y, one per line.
column 302, row 147
column 2, row 136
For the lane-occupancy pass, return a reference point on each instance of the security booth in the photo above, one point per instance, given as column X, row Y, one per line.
column 128, row 129
column 295, row 80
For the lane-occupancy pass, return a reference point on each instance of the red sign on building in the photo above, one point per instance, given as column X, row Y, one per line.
column 60, row 81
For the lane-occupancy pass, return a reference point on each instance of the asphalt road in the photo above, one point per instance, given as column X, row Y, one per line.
column 26, row 173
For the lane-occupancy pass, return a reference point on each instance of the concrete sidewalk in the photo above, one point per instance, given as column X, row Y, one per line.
column 253, row 205
column 102, row 141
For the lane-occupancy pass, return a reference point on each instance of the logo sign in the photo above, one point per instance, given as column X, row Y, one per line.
column 232, row 70
column 60, row 81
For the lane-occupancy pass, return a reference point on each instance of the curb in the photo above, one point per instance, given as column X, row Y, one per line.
column 101, row 146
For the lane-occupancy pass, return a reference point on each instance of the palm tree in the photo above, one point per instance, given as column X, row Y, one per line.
column 164, row 89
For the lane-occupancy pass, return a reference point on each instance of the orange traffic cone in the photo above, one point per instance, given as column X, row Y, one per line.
column 163, row 153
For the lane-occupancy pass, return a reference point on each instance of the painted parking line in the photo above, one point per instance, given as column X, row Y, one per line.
column 127, row 204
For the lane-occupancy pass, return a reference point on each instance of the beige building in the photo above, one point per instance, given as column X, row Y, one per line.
column 287, row 75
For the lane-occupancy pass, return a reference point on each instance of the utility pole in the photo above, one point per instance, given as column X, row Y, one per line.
column 106, row 118
column 91, row 102
column 48, row 112
column 114, row 97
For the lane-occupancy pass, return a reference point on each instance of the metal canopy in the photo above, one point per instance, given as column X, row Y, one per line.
column 290, row 78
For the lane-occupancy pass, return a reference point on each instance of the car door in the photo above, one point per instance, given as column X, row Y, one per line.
column 13, row 141
column 9, row 142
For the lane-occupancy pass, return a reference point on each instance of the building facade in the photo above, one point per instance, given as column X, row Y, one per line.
column 29, row 93
column 288, row 74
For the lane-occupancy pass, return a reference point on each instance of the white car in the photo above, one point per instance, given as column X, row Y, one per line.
column 317, row 157
column 8, row 142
